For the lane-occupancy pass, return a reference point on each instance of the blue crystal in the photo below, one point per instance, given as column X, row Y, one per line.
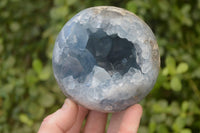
column 106, row 59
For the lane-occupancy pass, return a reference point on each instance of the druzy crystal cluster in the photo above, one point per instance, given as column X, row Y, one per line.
column 106, row 59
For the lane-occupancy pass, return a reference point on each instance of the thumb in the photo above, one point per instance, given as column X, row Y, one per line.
column 60, row 121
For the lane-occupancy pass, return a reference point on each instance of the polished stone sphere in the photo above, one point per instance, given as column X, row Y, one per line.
column 106, row 58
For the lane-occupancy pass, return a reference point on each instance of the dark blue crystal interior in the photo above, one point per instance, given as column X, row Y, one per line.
column 112, row 52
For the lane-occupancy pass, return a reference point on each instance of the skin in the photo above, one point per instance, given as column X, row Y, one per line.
column 69, row 119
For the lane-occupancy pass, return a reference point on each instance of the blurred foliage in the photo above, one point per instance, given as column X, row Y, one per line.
column 28, row 91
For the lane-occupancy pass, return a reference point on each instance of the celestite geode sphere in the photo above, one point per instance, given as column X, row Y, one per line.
column 106, row 59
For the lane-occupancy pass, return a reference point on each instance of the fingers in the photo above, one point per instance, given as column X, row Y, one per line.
column 131, row 119
column 70, row 117
column 96, row 122
column 115, row 122
column 82, row 112
column 60, row 121
column 127, row 121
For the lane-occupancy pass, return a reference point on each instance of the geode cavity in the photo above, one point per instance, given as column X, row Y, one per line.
column 106, row 59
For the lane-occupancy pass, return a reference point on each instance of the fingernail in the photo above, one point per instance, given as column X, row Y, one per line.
column 66, row 103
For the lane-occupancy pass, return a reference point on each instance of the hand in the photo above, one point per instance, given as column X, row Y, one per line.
column 70, row 117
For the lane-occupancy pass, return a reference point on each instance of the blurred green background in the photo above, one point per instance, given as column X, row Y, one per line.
column 28, row 91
